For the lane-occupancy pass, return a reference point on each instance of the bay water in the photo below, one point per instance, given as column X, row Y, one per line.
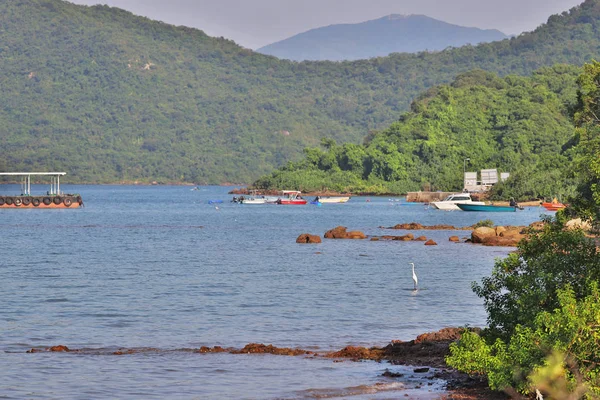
column 160, row 270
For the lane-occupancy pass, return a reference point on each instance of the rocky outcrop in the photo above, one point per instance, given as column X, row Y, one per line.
column 481, row 233
column 357, row 353
column 417, row 226
column 500, row 236
column 308, row 238
column 259, row 348
column 454, row 239
column 340, row 232
column 430, row 242
column 403, row 238
column 578, row 223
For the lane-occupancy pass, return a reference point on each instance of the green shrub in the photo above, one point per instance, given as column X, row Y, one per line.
column 484, row 223
column 570, row 332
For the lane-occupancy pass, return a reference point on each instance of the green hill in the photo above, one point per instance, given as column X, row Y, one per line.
column 108, row 96
column 516, row 124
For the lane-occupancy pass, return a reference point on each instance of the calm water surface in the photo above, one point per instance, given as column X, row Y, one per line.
column 159, row 267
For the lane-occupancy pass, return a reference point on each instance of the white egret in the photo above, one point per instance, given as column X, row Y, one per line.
column 415, row 279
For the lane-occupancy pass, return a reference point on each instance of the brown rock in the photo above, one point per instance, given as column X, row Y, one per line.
column 259, row 348
column 444, row 334
column 336, row 233
column 421, row 239
column 499, row 230
column 512, row 233
column 355, row 235
column 340, row 233
column 500, row 241
column 308, row 238
column 58, row 348
column 412, row 225
column 357, row 353
column 481, row 233
column 430, row 242
column 216, row 349
column 454, row 239
column 404, row 238
column 538, row 225
column 578, row 223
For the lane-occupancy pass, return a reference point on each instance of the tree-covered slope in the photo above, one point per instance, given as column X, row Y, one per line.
column 377, row 38
column 516, row 124
column 108, row 96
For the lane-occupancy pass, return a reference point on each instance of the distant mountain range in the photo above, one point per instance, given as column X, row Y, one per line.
column 380, row 37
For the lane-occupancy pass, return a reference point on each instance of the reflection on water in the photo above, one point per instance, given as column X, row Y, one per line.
column 160, row 267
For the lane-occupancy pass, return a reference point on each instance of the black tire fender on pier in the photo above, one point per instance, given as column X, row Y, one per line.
column 67, row 201
column 57, row 200
column 18, row 202
column 35, row 202
column 1, row 201
column 26, row 201
column 9, row 201
column 47, row 201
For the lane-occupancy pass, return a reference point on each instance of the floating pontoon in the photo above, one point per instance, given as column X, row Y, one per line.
column 53, row 198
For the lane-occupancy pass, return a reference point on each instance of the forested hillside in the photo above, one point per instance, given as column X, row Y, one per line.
column 516, row 124
column 379, row 37
column 111, row 97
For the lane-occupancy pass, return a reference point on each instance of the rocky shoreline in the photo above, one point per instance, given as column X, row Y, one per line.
column 508, row 236
column 427, row 351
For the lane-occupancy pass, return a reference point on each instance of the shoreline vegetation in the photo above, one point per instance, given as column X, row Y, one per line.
column 427, row 353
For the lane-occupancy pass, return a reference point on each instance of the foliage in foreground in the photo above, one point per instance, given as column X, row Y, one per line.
column 527, row 282
column 586, row 203
column 569, row 333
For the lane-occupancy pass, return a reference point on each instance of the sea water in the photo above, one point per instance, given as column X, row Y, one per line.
column 160, row 270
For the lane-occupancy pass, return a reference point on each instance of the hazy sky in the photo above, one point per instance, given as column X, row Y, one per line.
column 255, row 23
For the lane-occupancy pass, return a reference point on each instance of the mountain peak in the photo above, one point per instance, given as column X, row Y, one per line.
column 394, row 33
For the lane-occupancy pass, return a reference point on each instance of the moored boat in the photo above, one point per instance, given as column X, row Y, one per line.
column 254, row 200
column 486, row 208
column 451, row 202
column 331, row 199
column 553, row 205
column 291, row 197
column 53, row 198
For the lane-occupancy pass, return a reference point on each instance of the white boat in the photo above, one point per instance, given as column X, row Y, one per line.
column 450, row 202
column 331, row 199
column 254, row 200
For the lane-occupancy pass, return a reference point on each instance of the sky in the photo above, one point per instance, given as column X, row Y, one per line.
column 256, row 23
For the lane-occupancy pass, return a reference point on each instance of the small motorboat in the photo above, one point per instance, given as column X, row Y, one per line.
column 451, row 202
column 253, row 200
column 291, row 197
column 553, row 205
column 330, row 199
column 487, row 207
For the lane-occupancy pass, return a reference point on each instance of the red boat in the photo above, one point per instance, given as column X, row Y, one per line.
column 291, row 197
column 554, row 205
